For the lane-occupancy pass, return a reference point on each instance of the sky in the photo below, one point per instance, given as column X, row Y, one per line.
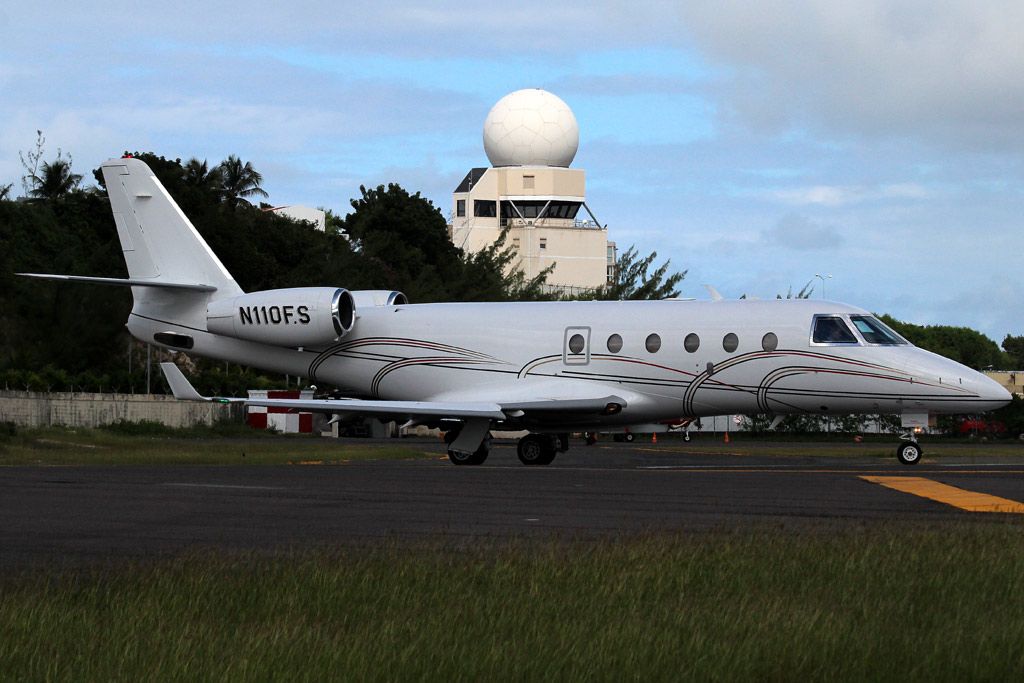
column 755, row 144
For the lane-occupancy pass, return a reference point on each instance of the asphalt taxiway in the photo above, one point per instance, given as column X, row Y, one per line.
column 91, row 513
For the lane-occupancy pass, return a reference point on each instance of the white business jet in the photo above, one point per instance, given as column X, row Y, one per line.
column 548, row 367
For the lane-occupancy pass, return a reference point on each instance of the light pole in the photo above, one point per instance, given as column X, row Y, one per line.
column 822, row 278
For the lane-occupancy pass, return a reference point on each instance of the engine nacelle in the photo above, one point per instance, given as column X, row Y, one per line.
column 367, row 298
column 303, row 316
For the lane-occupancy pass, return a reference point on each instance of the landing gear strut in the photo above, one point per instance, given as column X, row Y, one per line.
column 462, row 458
column 909, row 452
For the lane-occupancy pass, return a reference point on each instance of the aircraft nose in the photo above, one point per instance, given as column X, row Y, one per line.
column 992, row 394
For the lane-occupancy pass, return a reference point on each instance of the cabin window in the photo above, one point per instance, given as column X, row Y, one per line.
column 576, row 344
column 829, row 329
column 875, row 331
column 653, row 343
column 691, row 343
column 730, row 342
column 769, row 342
column 614, row 343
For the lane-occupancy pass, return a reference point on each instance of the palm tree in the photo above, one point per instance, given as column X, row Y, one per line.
column 240, row 181
column 199, row 175
column 54, row 180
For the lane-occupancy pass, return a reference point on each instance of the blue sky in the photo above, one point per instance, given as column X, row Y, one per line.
column 753, row 143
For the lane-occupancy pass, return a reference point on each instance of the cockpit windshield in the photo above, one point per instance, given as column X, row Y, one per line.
column 832, row 330
column 875, row 331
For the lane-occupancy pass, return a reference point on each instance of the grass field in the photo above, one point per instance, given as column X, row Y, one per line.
column 152, row 444
column 890, row 602
column 238, row 444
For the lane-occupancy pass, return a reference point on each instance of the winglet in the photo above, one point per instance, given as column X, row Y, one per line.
column 180, row 387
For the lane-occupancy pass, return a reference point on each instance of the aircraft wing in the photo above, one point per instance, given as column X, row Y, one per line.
column 466, row 408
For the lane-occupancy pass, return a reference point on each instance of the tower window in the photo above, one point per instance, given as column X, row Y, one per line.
column 460, row 208
column 543, row 242
column 483, row 208
column 528, row 182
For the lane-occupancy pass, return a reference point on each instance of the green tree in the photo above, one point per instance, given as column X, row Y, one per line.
column 804, row 293
column 55, row 180
column 197, row 174
column 634, row 279
column 1014, row 348
column 240, row 181
column 402, row 241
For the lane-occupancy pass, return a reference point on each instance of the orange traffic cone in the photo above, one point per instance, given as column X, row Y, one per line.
column 727, row 437
column 654, row 438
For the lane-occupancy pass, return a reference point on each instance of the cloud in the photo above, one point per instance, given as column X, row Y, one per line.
column 794, row 231
column 948, row 72
column 834, row 196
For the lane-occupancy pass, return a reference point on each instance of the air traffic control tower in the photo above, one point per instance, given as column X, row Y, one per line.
column 531, row 137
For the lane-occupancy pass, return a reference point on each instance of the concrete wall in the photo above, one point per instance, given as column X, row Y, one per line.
column 32, row 409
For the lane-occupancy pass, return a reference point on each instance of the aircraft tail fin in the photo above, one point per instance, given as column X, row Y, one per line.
column 158, row 241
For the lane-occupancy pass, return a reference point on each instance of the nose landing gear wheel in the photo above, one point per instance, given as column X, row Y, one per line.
column 909, row 453
column 536, row 449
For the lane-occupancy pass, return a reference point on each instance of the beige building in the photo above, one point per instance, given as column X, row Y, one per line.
column 547, row 218
column 1012, row 381
column 531, row 137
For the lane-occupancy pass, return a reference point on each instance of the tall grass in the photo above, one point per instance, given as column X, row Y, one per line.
column 863, row 604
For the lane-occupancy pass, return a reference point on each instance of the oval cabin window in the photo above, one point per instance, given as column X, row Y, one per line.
column 769, row 342
column 653, row 343
column 691, row 343
column 730, row 342
column 614, row 343
column 576, row 344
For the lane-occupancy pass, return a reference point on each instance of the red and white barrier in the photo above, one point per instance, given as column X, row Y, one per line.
column 280, row 419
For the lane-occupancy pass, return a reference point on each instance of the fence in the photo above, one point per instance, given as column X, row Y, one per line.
column 38, row 409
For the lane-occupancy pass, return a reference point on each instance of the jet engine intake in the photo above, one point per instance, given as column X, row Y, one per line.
column 303, row 316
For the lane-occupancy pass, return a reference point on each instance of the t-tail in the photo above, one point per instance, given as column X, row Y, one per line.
column 183, row 293
column 171, row 270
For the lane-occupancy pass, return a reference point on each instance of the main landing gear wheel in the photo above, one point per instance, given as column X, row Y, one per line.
column 536, row 449
column 477, row 458
column 909, row 453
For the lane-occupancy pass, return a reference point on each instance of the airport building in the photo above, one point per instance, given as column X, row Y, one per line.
column 531, row 138
column 1012, row 381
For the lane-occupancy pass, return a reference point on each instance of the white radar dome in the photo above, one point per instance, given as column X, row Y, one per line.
column 531, row 128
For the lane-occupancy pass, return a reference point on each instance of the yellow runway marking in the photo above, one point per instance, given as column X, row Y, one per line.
column 950, row 495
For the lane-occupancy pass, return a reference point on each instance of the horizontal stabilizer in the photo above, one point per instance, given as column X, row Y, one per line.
column 121, row 282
